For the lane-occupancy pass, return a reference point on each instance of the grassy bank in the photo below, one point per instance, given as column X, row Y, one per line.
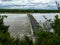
column 27, row 11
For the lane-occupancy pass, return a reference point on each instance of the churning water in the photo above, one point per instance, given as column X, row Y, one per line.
column 20, row 23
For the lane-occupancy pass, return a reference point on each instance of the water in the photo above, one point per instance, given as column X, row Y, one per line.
column 39, row 16
column 20, row 23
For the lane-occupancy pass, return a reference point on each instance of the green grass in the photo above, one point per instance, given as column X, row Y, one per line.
column 27, row 11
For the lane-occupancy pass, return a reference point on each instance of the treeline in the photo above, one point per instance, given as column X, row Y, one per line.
column 42, row 37
column 27, row 11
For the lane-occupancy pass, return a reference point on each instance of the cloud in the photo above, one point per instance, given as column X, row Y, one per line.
column 6, row 0
column 29, row 4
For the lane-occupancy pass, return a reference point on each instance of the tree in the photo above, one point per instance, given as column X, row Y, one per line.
column 56, row 25
column 5, row 38
column 49, row 38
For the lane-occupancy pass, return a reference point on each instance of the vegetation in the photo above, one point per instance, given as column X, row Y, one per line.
column 25, row 41
column 27, row 11
column 42, row 37
column 5, row 38
column 49, row 38
column 56, row 25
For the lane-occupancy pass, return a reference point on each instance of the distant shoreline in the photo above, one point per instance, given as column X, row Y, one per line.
column 27, row 11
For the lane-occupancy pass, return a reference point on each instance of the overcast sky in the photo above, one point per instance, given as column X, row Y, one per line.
column 36, row 4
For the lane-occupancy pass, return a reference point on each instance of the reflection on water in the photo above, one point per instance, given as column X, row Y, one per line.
column 20, row 24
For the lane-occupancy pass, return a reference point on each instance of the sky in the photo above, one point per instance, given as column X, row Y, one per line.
column 28, row 4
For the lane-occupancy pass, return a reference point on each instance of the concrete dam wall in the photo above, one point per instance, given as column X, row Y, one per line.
column 19, row 24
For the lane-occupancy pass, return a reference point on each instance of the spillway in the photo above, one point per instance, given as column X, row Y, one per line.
column 19, row 24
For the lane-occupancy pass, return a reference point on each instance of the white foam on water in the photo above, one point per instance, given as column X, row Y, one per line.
column 20, row 24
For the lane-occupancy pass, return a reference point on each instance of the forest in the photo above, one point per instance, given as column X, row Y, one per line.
column 27, row 11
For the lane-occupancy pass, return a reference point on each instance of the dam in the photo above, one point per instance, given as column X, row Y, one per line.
column 21, row 24
column 18, row 25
